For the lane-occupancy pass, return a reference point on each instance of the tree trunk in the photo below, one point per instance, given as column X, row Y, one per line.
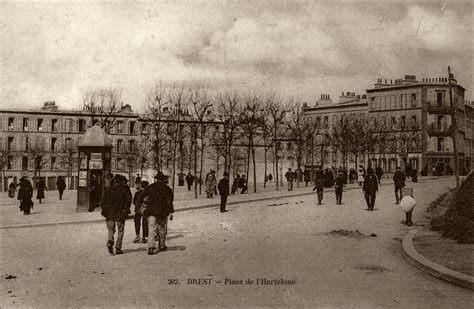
column 276, row 167
column 265, row 167
column 254, row 171
column 195, row 167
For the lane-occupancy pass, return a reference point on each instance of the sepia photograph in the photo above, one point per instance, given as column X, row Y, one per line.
column 237, row 154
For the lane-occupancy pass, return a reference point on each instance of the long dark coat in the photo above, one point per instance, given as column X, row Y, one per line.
column 40, row 187
column 61, row 184
column 24, row 195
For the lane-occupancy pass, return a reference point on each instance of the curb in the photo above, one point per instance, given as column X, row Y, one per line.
column 414, row 258
column 213, row 205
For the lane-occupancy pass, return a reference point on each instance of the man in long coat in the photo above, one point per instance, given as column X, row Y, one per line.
column 223, row 188
column 116, row 204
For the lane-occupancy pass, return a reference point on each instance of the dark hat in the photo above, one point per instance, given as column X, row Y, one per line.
column 160, row 176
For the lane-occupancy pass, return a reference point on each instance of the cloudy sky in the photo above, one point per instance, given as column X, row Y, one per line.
column 57, row 51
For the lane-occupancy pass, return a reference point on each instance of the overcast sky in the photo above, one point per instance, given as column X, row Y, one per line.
column 57, row 51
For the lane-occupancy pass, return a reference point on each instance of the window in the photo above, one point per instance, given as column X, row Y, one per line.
column 11, row 122
column 25, row 124
column 53, row 163
column 440, row 144
column 24, row 163
column 119, row 145
column 402, row 122
column 53, row 143
column 10, row 162
column 392, row 102
column 119, row 163
column 69, row 125
column 404, row 101
column 120, row 125
column 393, row 123
column 10, row 144
column 413, row 100
column 41, row 143
column 143, row 127
column 40, row 124
column 413, row 121
column 326, row 122
column 372, row 104
column 82, row 126
column 25, row 143
column 132, row 127
column 131, row 145
column 439, row 98
column 54, row 125
column 68, row 143
column 288, row 146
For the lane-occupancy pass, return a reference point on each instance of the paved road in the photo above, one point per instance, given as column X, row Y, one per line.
column 285, row 238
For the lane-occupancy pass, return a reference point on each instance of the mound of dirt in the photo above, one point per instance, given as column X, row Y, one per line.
column 459, row 217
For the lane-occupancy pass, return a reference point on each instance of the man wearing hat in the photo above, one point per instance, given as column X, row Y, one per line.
column 223, row 188
column 157, row 206
column 116, row 204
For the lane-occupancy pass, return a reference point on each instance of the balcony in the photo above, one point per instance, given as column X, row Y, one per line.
column 435, row 129
column 439, row 108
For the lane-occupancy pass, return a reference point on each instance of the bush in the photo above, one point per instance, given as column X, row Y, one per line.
column 459, row 217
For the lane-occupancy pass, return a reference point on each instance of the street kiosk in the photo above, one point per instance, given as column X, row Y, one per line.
column 94, row 168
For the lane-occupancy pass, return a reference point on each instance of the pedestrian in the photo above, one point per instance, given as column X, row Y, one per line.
column 189, row 180
column 235, row 184
column 352, row 175
column 210, row 183
column 338, row 187
column 306, row 176
column 223, row 187
column 414, row 175
column 138, row 181
column 328, row 178
column 407, row 204
column 289, row 179
column 408, row 170
column 139, row 218
column 116, row 204
column 12, row 188
column 360, row 175
column 270, row 177
column 370, row 188
column 319, row 185
column 157, row 206
column 25, row 194
column 40, row 187
column 379, row 172
column 61, row 185
column 399, row 182
column 243, row 184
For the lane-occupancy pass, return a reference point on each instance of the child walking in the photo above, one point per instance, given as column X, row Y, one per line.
column 139, row 218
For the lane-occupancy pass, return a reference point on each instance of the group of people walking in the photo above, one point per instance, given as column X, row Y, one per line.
column 25, row 191
column 153, row 207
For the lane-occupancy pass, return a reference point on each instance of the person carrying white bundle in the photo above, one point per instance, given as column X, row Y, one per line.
column 407, row 204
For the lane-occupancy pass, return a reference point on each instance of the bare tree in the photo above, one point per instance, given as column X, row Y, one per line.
column 39, row 155
column 313, row 130
column 102, row 107
column 276, row 112
column 298, row 133
column 228, row 113
column 202, row 103
column 251, row 124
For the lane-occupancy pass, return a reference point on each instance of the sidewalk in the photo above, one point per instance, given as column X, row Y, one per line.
column 54, row 211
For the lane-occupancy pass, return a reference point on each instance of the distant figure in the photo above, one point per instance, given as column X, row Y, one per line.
column 408, row 170
column 306, row 177
column 352, row 175
column 189, row 180
column 12, row 188
column 223, row 188
column 399, row 182
column 289, row 179
column 211, row 182
column 328, row 178
column 243, row 184
column 319, row 185
column 370, row 188
column 138, row 180
column 25, row 194
column 360, row 175
column 61, row 185
column 40, row 187
column 116, row 204
column 338, row 187
column 270, row 177
column 379, row 172
column 139, row 218
column 235, row 184
column 414, row 175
